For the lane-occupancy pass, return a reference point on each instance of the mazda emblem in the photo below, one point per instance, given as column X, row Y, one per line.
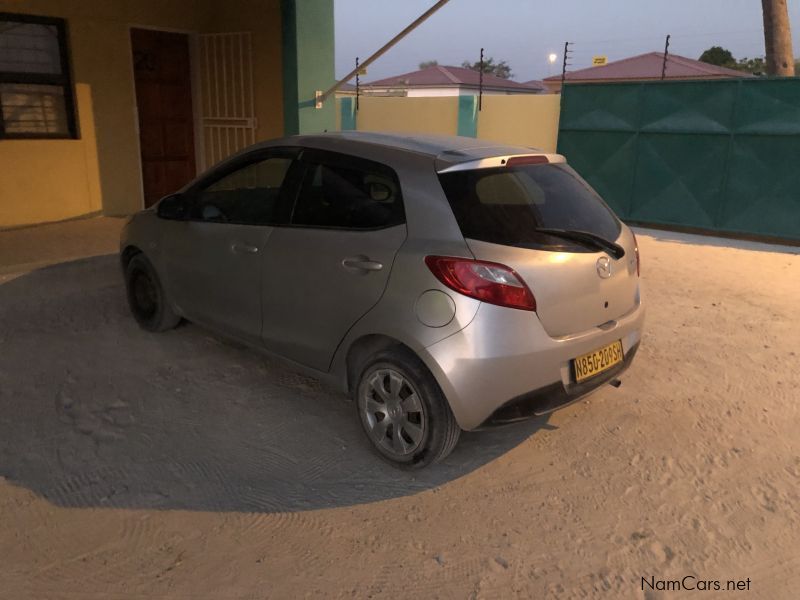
column 604, row 267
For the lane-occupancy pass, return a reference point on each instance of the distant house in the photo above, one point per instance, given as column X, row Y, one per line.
column 539, row 84
column 346, row 90
column 440, row 80
column 645, row 67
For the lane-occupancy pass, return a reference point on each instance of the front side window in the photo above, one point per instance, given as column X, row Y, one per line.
column 250, row 195
column 506, row 205
column 344, row 193
column 36, row 99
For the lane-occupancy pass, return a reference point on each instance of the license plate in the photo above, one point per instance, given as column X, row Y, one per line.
column 594, row 363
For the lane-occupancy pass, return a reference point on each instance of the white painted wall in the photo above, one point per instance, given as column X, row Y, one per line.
column 443, row 92
column 433, row 92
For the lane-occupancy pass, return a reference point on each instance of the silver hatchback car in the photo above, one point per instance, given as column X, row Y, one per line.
column 446, row 283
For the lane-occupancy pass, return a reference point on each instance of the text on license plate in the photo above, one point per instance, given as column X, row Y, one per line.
column 598, row 361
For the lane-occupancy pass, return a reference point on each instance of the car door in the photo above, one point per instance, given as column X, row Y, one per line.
column 213, row 259
column 331, row 264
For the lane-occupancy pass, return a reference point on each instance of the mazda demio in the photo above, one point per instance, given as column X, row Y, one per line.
column 446, row 283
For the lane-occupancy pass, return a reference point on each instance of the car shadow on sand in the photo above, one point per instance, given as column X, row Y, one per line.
column 96, row 412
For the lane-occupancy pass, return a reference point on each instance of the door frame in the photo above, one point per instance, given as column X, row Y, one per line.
column 197, row 99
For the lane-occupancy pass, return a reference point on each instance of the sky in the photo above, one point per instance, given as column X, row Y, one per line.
column 525, row 32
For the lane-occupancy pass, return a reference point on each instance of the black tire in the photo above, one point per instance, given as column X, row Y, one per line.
column 146, row 297
column 439, row 430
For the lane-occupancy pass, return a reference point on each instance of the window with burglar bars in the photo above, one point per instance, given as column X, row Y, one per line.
column 36, row 97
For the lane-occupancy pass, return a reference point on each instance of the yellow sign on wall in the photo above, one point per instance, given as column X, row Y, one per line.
column 599, row 61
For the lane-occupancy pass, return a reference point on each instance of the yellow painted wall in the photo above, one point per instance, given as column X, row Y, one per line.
column 49, row 180
column 408, row 115
column 521, row 120
column 529, row 120
column 99, row 35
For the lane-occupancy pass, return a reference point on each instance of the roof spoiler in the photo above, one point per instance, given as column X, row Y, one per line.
column 491, row 162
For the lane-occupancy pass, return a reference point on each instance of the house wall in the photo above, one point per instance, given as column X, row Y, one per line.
column 307, row 65
column 438, row 92
column 526, row 120
column 522, row 120
column 433, row 92
column 407, row 115
column 100, row 53
column 49, row 180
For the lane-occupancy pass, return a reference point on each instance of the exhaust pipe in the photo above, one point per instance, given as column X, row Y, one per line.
column 615, row 382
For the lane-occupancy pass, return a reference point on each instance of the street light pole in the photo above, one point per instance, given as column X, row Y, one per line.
column 778, row 38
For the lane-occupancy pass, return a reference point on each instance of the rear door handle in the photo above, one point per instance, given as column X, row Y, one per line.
column 242, row 248
column 362, row 264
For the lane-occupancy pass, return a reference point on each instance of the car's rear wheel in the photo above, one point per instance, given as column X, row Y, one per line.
column 146, row 296
column 404, row 413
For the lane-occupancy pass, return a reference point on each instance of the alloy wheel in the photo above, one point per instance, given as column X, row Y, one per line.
column 393, row 413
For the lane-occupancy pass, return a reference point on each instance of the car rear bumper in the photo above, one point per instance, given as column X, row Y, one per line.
column 552, row 397
column 504, row 367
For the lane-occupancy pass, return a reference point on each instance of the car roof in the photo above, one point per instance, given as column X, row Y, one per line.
column 449, row 149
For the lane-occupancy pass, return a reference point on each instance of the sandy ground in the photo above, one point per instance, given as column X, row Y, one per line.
column 180, row 466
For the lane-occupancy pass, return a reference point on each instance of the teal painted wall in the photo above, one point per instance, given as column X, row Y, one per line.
column 348, row 114
column 468, row 116
column 308, row 47
column 710, row 155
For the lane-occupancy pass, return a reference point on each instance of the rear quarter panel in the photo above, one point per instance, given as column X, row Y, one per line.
column 432, row 230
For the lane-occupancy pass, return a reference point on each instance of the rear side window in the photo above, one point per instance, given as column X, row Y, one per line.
column 507, row 205
column 342, row 193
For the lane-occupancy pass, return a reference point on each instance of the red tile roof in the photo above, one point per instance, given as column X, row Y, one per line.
column 535, row 83
column 443, row 76
column 648, row 66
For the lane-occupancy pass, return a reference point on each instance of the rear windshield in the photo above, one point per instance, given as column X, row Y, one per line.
column 507, row 205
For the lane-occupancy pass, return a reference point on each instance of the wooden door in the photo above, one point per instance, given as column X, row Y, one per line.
column 162, row 77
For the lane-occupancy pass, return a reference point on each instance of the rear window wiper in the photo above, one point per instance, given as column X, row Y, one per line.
column 587, row 239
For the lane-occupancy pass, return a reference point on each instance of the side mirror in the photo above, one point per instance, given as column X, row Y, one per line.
column 174, row 207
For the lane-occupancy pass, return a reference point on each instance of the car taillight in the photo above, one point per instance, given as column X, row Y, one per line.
column 485, row 281
column 636, row 252
column 515, row 161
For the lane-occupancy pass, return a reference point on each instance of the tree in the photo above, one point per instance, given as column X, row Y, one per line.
column 428, row 63
column 717, row 55
column 778, row 38
column 501, row 69
column 756, row 66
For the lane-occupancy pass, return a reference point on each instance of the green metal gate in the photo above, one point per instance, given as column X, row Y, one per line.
column 713, row 155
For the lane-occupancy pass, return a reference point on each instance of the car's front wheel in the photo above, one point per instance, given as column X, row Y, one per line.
column 403, row 411
column 146, row 296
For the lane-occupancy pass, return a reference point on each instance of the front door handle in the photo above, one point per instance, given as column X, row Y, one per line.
column 242, row 248
column 362, row 263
